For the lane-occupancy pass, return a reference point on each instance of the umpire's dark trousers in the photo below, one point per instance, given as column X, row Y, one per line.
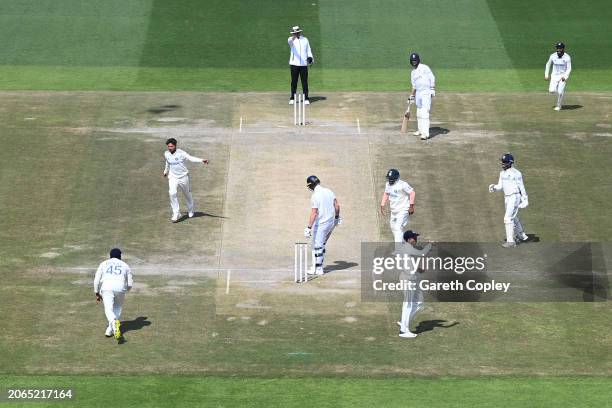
column 302, row 72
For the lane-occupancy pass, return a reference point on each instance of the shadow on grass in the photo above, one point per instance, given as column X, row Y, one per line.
column 162, row 109
column 571, row 107
column 198, row 214
column 436, row 131
column 429, row 325
column 340, row 265
column 314, row 99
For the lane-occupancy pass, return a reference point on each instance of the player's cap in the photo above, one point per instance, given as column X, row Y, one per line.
column 295, row 30
column 559, row 45
column 115, row 253
column 410, row 234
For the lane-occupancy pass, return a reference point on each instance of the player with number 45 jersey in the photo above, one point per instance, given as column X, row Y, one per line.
column 113, row 279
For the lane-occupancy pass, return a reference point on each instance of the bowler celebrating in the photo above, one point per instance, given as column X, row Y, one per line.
column 113, row 279
column 401, row 197
column 561, row 68
column 324, row 216
column 178, row 177
column 511, row 183
column 423, row 89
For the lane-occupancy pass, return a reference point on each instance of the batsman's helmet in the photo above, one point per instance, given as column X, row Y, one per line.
column 393, row 175
column 507, row 159
column 560, row 45
column 415, row 60
column 312, row 182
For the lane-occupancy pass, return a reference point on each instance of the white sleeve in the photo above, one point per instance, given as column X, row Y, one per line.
column 408, row 188
column 98, row 278
column 290, row 42
column 309, row 51
column 547, row 69
column 412, row 81
column 166, row 167
column 314, row 202
column 432, row 79
column 521, row 185
column 130, row 278
column 193, row 159
column 569, row 67
column 498, row 186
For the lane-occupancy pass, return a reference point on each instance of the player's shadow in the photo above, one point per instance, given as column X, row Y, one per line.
column 340, row 265
column 532, row 238
column 429, row 325
column 437, row 131
column 162, row 109
column 314, row 99
column 198, row 214
column 136, row 324
column 572, row 107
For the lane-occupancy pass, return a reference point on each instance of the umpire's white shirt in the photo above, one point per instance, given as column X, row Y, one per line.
column 560, row 66
column 511, row 182
column 300, row 51
column 175, row 163
column 422, row 78
column 113, row 274
column 323, row 200
column 399, row 195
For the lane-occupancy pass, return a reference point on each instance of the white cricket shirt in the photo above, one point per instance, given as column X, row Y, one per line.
column 113, row 274
column 511, row 182
column 422, row 78
column 323, row 199
column 560, row 66
column 399, row 195
column 175, row 163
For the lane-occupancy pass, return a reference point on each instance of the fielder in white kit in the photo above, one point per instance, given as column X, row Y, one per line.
column 561, row 68
column 113, row 279
column 401, row 197
column 511, row 183
column 413, row 298
column 324, row 216
column 423, row 89
column 178, row 177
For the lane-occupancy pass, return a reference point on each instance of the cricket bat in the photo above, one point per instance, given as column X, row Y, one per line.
column 406, row 118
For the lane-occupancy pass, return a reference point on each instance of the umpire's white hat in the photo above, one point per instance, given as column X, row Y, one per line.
column 295, row 30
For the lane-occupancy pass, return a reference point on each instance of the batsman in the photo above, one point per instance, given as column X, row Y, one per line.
column 423, row 89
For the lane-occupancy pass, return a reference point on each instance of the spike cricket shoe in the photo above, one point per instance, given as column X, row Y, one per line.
column 417, row 133
column 423, row 137
column 117, row 329
column 291, row 102
column 307, row 102
column 190, row 214
column 175, row 217
column 557, row 108
column 109, row 331
column 407, row 335
column 509, row 244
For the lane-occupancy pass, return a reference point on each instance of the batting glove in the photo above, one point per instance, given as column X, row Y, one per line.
column 491, row 188
column 307, row 232
column 433, row 92
column 410, row 99
column 338, row 221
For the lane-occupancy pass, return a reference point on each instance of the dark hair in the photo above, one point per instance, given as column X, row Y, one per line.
column 115, row 253
column 171, row 141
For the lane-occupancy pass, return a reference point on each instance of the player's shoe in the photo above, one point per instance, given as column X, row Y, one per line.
column 109, row 331
column 557, row 108
column 407, row 335
column 509, row 244
column 307, row 102
column 417, row 133
column 291, row 102
column 190, row 214
column 423, row 137
column 175, row 217
column 319, row 271
column 117, row 329
column 523, row 237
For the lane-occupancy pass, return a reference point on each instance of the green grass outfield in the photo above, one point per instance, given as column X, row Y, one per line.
column 187, row 391
column 472, row 45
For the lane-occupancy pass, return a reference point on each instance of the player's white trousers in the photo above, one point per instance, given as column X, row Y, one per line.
column 113, row 303
column 413, row 302
column 398, row 222
column 512, row 223
column 174, row 185
column 423, row 104
column 320, row 235
column 557, row 86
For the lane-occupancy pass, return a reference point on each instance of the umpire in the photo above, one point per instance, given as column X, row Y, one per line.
column 299, row 59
